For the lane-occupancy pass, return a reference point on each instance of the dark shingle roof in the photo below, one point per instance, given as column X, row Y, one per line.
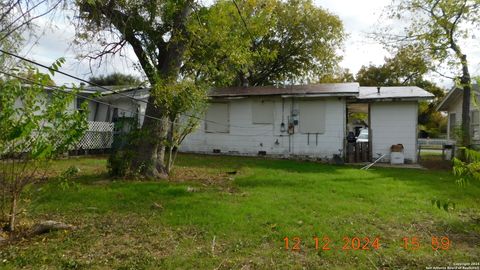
column 327, row 89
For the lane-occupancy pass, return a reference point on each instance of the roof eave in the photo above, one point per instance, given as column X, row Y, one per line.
column 285, row 95
column 396, row 99
column 443, row 106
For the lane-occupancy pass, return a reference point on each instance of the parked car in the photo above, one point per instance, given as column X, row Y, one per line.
column 363, row 136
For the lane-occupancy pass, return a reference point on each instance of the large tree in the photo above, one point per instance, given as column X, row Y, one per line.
column 439, row 26
column 157, row 32
column 259, row 42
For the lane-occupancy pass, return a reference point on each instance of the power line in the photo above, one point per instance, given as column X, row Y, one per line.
column 110, row 105
column 243, row 20
column 82, row 96
column 113, row 91
column 69, row 75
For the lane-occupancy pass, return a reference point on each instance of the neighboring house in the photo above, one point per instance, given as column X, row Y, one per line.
column 452, row 105
column 105, row 107
column 124, row 102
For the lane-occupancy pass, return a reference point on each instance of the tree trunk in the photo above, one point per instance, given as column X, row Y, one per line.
column 13, row 212
column 149, row 158
column 465, row 81
column 151, row 151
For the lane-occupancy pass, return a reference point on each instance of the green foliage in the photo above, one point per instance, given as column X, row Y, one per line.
column 37, row 124
column 338, row 76
column 184, row 48
column 358, row 116
column 64, row 180
column 283, row 41
column 440, row 29
column 469, row 169
column 406, row 67
column 446, row 206
column 120, row 163
column 125, row 141
column 180, row 98
column 184, row 103
column 115, row 79
column 430, row 120
column 409, row 67
column 158, row 32
column 438, row 26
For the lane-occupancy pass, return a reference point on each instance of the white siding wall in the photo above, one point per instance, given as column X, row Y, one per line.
column 92, row 106
column 19, row 104
column 126, row 107
column 102, row 113
column 456, row 108
column 394, row 123
column 248, row 138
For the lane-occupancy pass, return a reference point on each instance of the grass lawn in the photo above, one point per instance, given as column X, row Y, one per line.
column 232, row 212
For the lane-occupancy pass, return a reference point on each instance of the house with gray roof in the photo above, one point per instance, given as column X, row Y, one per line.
column 308, row 121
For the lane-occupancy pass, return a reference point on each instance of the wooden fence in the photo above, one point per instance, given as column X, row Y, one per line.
column 358, row 152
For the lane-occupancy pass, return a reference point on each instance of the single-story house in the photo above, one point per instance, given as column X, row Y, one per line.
column 307, row 120
column 452, row 105
column 290, row 121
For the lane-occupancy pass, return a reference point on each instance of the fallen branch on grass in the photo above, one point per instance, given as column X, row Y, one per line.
column 49, row 226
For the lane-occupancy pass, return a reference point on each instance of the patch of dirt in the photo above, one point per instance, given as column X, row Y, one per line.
column 205, row 176
column 436, row 163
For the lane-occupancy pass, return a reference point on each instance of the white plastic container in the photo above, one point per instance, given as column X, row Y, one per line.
column 397, row 158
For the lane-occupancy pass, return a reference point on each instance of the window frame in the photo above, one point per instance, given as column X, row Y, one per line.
column 207, row 120
column 256, row 113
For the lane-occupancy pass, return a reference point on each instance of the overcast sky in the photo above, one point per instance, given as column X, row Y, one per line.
column 359, row 18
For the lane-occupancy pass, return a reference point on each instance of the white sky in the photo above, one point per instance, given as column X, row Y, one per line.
column 359, row 18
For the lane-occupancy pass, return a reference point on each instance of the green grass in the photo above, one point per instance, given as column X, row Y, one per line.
column 210, row 219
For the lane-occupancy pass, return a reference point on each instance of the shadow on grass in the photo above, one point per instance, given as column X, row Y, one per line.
column 237, row 162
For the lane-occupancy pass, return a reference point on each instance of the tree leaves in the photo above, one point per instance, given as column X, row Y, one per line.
column 292, row 41
column 115, row 79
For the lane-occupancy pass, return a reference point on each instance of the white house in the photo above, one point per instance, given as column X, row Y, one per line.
column 292, row 121
column 307, row 120
column 452, row 105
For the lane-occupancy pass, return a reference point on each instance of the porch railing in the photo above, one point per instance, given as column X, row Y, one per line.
column 98, row 136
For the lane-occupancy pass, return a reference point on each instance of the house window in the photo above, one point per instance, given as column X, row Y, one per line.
column 262, row 112
column 452, row 124
column 217, row 118
column 80, row 101
column 312, row 116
